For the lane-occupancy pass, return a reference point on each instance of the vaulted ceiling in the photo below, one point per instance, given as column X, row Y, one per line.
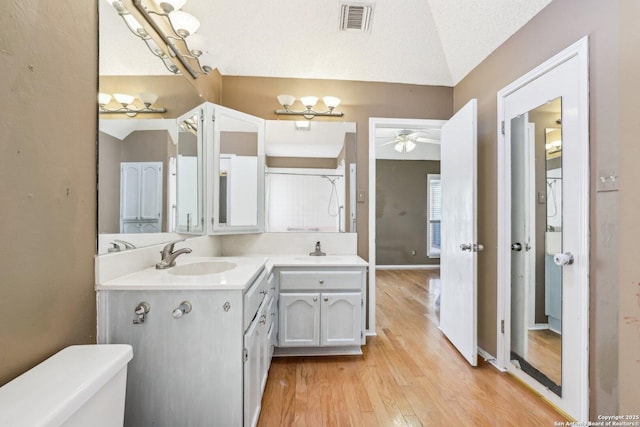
column 427, row 42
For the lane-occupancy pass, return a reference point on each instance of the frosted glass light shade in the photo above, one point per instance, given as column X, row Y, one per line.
column 196, row 44
column 147, row 98
column 171, row 5
column 134, row 25
column 103, row 98
column 286, row 100
column 399, row 147
column 309, row 101
column 409, row 146
column 123, row 99
column 184, row 23
column 331, row 102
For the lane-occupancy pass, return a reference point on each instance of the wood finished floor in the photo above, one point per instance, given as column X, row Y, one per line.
column 409, row 375
column 545, row 353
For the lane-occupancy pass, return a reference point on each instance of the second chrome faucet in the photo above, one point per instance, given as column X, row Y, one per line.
column 169, row 255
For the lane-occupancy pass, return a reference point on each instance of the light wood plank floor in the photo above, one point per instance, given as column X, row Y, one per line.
column 545, row 353
column 409, row 375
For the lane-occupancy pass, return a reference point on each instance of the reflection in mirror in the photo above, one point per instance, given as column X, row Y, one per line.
column 132, row 182
column 310, row 176
column 188, row 217
column 536, row 236
column 238, row 172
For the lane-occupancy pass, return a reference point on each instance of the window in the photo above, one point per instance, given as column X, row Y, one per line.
column 433, row 209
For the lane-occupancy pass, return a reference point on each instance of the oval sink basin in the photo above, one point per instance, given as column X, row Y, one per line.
column 202, row 268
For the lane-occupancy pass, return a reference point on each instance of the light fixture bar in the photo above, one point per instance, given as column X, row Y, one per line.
column 131, row 111
column 174, row 51
column 309, row 113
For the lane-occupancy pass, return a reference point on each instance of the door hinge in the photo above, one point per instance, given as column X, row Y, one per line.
column 362, row 302
column 245, row 356
column 502, row 127
column 502, row 326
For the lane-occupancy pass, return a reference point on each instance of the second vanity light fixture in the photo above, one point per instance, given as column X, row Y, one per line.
column 175, row 28
column 309, row 102
column 126, row 104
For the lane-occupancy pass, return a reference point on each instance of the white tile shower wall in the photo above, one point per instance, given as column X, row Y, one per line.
column 110, row 266
column 289, row 243
column 304, row 202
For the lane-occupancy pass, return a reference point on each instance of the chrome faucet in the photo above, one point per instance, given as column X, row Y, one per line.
column 169, row 256
column 318, row 251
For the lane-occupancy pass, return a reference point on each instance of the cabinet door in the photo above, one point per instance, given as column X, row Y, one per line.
column 151, row 191
column 341, row 318
column 129, row 191
column 299, row 319
column 252, row 373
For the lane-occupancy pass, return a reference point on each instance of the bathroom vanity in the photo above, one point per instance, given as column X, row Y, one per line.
column 201, row 341
column 204, row 331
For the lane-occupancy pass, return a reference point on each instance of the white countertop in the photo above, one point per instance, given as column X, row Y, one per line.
column 239, row 278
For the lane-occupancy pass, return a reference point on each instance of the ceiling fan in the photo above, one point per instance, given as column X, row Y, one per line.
column 406, row 140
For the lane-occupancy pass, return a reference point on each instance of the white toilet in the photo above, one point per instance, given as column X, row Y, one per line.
column 82, row 385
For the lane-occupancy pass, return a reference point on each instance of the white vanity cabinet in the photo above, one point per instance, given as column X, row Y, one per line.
column 206, row 367
column 321, row 310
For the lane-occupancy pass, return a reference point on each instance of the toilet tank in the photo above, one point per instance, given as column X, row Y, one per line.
column 82, row 385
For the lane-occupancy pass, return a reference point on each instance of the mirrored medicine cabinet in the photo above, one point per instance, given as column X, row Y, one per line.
column 219, row 172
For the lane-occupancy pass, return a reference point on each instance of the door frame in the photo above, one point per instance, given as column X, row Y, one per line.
column 579, row 50
column 374, row 123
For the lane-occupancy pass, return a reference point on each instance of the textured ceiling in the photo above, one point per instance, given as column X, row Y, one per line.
column 428, row 42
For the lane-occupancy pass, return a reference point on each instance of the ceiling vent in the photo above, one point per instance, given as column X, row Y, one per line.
column 356, row 16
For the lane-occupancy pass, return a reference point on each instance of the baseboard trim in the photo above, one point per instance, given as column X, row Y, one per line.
column 409, row 267
column 489, row 358
column 539, row 327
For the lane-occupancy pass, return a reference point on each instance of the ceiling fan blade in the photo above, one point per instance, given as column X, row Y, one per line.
column 393, row 141
column 426, row 140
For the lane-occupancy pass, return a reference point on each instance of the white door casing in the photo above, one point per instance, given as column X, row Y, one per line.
column 565, row 75
column 458, row 257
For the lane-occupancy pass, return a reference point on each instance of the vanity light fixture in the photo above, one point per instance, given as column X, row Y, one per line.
column 331, row 102
column 127, row 104
column 175, row 28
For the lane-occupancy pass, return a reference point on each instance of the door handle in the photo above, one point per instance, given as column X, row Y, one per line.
column 563, row 259
column 471, row 247
column 516, row 247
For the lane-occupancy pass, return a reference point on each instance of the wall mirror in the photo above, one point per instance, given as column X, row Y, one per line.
column 238, row 168
column 310, row 178
column 536, row 235
column 144, row 144
column 189, row 213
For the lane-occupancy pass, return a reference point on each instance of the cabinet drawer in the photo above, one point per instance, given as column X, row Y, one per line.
column 253, row 298
column 321, row 280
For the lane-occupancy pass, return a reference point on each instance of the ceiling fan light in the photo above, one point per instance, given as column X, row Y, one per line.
column 399, row 147
column 331, row 102
column 184, row 23
column 286, row 100
column 309, row 101
column 410, row 145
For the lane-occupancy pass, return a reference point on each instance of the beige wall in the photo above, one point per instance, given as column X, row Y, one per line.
column 629, row 292
column 401, row 211
column 360, row 101
column 48, row 62
column 554, row 28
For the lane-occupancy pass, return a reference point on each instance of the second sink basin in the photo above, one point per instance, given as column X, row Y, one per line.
column 202, row 268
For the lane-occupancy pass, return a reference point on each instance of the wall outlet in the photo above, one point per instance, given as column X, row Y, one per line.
column 413, row 252
column 362, row 196
column 542, row 197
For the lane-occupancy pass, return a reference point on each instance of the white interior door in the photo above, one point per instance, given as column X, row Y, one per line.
column 458, row 257
column 561, row 81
